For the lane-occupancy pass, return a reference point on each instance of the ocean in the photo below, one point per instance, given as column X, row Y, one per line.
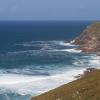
column 34, row 57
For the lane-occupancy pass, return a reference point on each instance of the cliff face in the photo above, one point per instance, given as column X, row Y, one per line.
column 89, row 40
column 86, row 88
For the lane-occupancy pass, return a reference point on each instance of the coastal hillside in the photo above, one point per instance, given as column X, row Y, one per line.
column 85, row 88
column 89, row 40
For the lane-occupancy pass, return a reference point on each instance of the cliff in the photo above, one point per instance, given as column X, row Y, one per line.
column 89, row 40
column 85, row 88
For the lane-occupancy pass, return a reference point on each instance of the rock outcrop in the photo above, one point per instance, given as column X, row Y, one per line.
column 89, row 40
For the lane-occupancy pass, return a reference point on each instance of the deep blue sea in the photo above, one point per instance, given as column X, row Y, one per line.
column 35, row 59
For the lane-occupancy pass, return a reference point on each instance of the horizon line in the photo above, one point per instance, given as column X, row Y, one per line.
column 43, row 20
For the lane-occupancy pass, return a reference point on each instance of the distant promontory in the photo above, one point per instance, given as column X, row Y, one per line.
column 89, row 40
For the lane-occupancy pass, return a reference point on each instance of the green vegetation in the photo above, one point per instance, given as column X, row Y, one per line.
column 85, row 88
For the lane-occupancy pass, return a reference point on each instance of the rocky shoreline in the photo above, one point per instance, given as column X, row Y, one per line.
column 87, row 85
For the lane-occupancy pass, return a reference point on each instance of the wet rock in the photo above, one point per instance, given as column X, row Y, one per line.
column 88, row 70
column 66, row 41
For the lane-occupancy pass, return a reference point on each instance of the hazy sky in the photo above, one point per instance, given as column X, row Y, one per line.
column 50, row 9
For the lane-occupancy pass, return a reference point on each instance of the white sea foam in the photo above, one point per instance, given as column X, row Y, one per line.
column 72, row 41
column 47, row 43
column 67, row 44
column 94, row 60
column 74, row 50
column 88, row 61
column 79, row 63
column 25, row 84
column 46, row 46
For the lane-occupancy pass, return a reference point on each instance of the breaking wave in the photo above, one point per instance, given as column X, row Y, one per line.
column 26, row 84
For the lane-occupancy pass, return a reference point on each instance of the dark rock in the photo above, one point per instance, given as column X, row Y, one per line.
column 88, row 70
column 67, row 41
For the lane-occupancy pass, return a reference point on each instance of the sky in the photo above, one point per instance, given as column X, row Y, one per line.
column 49, row 9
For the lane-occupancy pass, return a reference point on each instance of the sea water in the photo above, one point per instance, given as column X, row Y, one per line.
column 34, row 57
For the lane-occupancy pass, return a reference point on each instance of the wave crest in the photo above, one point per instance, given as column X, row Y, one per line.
column 25, row 84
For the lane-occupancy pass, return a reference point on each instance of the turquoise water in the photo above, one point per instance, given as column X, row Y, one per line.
column 35, row 59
